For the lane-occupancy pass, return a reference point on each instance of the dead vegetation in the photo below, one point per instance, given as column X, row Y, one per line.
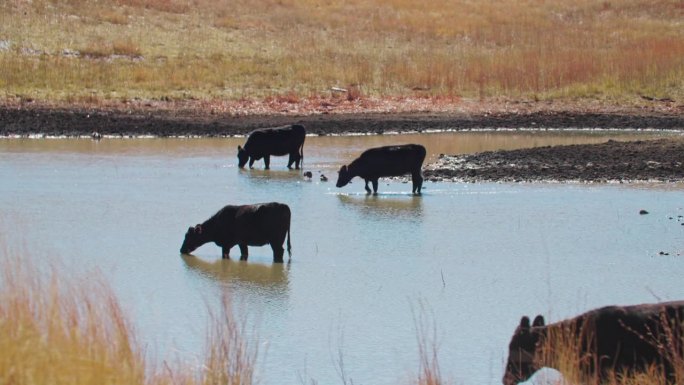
column 298, row 49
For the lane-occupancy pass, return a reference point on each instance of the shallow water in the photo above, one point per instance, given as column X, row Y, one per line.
column 476, row 256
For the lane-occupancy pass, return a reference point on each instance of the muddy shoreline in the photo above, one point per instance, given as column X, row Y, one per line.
column 73, row 122
column 660, row 160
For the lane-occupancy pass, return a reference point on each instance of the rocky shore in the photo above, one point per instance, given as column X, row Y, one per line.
column 659, row 160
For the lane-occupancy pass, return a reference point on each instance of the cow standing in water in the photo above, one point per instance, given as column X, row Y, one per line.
column 277, row 141
column 248, row 225
column 383, row 162
column 611, row 340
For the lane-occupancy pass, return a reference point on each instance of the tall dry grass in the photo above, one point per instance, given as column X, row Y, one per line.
column 58, row 330
column 556, row 49
column 429, row 371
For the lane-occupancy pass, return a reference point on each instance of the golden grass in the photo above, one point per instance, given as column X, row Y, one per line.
column 429, row 371
column 54, row 331
column 557, row 49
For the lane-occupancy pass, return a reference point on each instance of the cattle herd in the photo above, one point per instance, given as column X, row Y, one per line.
column 269, row 223
column 609, row 341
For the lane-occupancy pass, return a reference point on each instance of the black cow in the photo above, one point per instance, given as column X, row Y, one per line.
column 386, row 161
column 248, row 225
column 609, row 340
column 278, row 141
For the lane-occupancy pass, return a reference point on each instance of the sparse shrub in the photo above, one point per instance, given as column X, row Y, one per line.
column 126, row 47
column 114, row 17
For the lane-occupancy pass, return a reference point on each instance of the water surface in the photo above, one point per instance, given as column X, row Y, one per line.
column 479, row 256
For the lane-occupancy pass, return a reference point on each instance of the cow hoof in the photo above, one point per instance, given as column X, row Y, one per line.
column 243, row 258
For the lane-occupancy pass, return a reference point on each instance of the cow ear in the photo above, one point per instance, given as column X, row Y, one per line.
column 342, row 170
column 191, row 230
column 524, row 323
column 538, row 321
column 239, row 148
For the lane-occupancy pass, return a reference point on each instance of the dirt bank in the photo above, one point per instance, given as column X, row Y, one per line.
column 29, row 119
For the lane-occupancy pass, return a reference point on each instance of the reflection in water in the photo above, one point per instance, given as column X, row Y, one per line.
column 284, row 174
column 385, row 206
column 261, row 176
column 271, row 277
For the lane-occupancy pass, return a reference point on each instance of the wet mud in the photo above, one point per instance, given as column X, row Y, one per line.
column 660, row 160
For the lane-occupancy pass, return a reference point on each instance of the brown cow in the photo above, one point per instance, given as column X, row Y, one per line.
column 617, row 339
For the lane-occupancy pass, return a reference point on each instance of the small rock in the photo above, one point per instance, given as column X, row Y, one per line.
column 643, row 212
column 324, row 178
column 308, row 174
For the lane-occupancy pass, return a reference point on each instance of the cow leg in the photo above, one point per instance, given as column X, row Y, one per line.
column 375, row 186
column 278, row 252
column 226, row 252
column 368, row 190
column 243, row 252
column 417, row 180
column 251, row 162
column 291, row 160
column 267, row 161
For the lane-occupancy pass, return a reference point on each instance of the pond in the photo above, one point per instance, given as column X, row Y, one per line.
column 470, row 258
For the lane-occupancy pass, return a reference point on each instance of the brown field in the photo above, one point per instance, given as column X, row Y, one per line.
column 77, row 51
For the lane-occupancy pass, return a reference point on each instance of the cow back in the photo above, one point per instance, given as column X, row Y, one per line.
column 390, row 161
column 276, row 140
column 258, row 224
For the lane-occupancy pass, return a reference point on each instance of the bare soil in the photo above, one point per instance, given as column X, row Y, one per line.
column 660, row 160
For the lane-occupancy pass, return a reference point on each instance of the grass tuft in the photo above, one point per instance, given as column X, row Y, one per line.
column 55, row 330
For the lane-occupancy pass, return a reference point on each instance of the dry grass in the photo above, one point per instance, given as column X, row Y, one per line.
column 558, row 49
column 54, row 331
column 429, row 372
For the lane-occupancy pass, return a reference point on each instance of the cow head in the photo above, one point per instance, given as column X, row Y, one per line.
column 243, row 157
column 522, row 351
column 343, row 177
column 194, row 238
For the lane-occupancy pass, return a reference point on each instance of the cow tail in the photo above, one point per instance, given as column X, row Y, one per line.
column 289, row 247
column 301, row 156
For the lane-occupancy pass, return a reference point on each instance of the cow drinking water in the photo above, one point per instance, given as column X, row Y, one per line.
column 383, row 162
column 612, row 340
column 262, row 143
column 248, row 225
